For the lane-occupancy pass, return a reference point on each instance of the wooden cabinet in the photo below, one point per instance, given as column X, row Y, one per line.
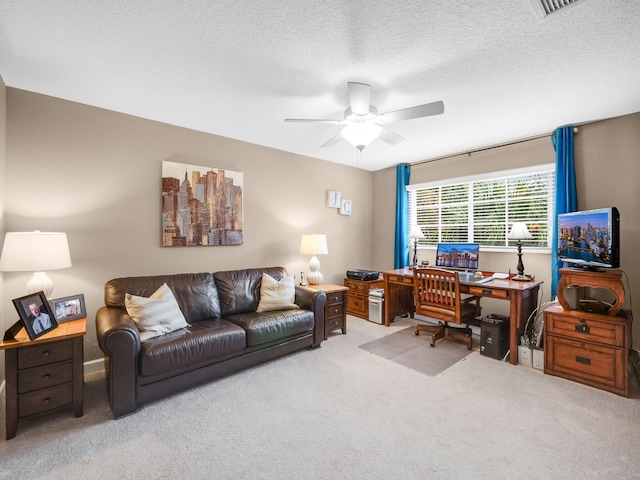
column 589, row 348
column 45, row 373
column 335, row 314
column 358, row 296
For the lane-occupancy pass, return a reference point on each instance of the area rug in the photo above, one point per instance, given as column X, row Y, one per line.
column 413, row 351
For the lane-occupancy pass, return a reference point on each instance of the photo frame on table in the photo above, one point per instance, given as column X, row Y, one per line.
column 68, row 308
column 35, row 313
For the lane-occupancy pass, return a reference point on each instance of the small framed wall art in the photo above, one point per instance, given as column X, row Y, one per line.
column 345, row 207
column 333, row 199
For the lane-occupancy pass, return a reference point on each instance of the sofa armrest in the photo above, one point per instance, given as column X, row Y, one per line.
column 119, row 339
column 314, row 300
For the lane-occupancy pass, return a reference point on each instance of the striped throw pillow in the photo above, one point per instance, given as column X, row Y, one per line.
column 157, row 315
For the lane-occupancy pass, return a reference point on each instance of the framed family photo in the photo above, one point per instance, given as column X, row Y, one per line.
column 68, row 308
column 35, row 313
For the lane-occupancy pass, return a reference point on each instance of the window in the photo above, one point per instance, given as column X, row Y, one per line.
column 482, row 209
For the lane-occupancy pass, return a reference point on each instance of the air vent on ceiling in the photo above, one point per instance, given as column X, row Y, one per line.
column 544, row 8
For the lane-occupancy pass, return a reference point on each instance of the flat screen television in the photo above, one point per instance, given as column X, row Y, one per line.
column 463, row 256
column 590, row 239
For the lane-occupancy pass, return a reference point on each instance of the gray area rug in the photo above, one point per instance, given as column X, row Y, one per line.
column 413, row 351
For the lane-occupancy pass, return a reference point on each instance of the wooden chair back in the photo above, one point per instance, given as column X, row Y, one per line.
column 437, row 295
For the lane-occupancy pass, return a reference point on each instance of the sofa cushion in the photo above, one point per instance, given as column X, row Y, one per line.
column 156, row 315
column 196, row 293
column 277, row 294
column 198, row 343
column 239, row 290
column 270, row 326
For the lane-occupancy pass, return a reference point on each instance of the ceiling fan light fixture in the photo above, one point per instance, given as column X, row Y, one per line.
column 360, row 135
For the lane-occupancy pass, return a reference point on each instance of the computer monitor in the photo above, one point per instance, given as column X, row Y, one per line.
column 459, row 256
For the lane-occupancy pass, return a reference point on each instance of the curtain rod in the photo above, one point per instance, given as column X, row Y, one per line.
column 492, row 147
column 470, row 152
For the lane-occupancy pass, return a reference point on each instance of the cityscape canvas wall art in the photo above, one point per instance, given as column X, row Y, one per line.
column 200, row 206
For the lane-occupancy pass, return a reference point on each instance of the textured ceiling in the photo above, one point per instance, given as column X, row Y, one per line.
column 238, row 68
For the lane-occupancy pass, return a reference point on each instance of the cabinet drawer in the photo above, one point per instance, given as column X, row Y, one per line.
column 399, row 279
column 45, row 353
column 331, row 311
column 335, row 298
column 45, row 399
column 489, row 292
column 357, row 304
column 45, row 376
column 591, row 364
column 356, row 286
column 587, row 329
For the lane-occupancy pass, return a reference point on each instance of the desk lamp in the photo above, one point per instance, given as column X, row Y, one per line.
column 520, row 232
column 314, row 245
column 415, row 233
column 35, row 252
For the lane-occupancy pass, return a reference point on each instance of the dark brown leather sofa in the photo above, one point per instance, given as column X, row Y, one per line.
column 225, row 333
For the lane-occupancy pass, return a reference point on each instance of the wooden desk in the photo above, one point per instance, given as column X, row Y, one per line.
column 44, row 374
column 522, row 297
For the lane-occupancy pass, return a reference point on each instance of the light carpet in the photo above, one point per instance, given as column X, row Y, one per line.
column 413, row 351
column 339, row 412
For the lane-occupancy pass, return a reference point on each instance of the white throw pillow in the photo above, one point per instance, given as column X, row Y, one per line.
column 156, row 315
column 277, row 295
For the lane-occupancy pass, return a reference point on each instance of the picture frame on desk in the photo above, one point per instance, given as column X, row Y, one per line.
column 68, row 308
column 35, row 313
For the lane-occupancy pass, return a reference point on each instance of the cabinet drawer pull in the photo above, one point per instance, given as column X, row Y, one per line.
column 487, row 292
column 583, row 360
column 47, row 377
column 583, row 327
column 46, row 353
column 46, row 401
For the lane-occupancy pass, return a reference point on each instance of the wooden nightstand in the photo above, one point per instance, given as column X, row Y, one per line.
column 335, row 313
column 44, row 374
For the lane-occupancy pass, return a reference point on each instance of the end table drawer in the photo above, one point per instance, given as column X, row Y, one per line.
column 43, row 400
column 335, row 298
column 334, row 310
column 45, row 353
column 45, row 376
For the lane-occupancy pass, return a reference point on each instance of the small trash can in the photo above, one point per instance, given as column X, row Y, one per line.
column 376, row 305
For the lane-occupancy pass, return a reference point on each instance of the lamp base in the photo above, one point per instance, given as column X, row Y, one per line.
column 314, row 277
column 521, row 278
column 40, row 282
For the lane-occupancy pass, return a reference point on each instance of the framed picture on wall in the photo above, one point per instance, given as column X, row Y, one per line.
column 35, row 314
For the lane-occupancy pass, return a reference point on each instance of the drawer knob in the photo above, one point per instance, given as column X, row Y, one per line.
column 46, row 353
column 46, row 401
column 47, row 377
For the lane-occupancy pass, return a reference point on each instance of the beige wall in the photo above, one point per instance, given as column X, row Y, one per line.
column 607, row 171
column 95, row 175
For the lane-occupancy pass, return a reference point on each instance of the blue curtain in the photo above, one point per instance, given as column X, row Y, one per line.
column 566, row 197
column 401, row 249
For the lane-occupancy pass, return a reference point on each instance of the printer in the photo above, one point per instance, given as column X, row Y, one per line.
column 364, row 275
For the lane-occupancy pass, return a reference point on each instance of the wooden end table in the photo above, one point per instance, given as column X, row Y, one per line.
column 44, row 374
column 335, row 312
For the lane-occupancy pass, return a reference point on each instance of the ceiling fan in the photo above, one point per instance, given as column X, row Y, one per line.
column 362, row 122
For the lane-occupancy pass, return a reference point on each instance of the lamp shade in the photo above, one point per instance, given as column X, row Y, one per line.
column 360, row 135
column 314, row 244
column 416, row 232
column 519, row 231
column 34, row 251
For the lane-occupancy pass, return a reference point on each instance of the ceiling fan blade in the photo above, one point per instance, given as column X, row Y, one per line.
column 359, row 96
column 313, row 120
column 390, row 137
column 435, row 108
column 332, row 141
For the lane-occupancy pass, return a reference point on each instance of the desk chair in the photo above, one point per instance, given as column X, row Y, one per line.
column 437, row 295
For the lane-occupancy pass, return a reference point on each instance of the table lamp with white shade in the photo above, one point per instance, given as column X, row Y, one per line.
column 415, row 234
column 314, row 245
column 520, row 232
column 35, row 252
